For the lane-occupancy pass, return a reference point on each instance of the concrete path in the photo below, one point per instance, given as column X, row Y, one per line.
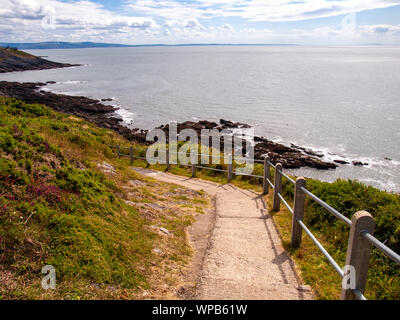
column 245, row 258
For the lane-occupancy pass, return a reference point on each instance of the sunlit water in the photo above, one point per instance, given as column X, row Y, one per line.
column 343, row 101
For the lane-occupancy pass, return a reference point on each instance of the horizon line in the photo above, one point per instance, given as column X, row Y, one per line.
column 107, row 44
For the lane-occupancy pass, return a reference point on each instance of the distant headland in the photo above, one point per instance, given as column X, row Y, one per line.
column 12, row 59
column 83, row 45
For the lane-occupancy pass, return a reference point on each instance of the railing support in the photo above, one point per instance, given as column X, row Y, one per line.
column 147, row 163
column 194, row 170
column 266, row 175
column 277, row 187
column 230, row 168
column 131, row 154
column 298, row 211
column 167, row 159
column 358, row 252
column 118, row 151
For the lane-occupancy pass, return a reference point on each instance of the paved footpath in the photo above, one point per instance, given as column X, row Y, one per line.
column 245, row 259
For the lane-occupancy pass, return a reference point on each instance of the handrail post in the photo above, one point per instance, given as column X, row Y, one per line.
column 277, row 187
column 118, row 151
column 358, row 252
column 230, row 168
column 145, row 159
column 298, row 211
column 131, row 154
column 193, row 170
column 167, row 158
column 267, row 167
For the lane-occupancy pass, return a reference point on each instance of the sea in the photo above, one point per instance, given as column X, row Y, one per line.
column 341, row 101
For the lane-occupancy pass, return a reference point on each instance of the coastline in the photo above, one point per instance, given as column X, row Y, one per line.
column 106, row 116
column 347, row 196
column 113, row 117
column 12, row 60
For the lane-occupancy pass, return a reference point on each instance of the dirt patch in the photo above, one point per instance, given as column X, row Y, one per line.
column 199, row 235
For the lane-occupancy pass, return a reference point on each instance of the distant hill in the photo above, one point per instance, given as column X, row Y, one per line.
column 59, row 45
column 15, row 60
column 80, row 45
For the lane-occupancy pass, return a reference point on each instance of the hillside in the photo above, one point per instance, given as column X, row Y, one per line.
column 67, row 201
column 15, row 60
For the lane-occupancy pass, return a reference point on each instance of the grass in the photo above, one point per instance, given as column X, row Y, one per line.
column 55, row 204
column 60, row 206
column 15, row 52
column 347, row 197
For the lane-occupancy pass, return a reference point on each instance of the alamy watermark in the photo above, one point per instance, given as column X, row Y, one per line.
column 49, row 280
column 49, row 19
column 188, row 147
column 349, row 278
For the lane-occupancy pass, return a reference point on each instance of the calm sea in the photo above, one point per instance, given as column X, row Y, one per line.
column 342, row 101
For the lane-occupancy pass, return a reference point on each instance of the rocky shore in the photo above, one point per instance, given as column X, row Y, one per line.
column 290, row 157
column 92, row 110
column 15, row 60
column 104, row 116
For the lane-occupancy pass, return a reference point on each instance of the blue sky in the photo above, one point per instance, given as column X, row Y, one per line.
column 308, row 22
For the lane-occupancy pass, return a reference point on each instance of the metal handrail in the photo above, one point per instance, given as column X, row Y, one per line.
column 271, row 164
column 332, row 261
column 285, row 203
column 335, row 265
column 249, row 175
column 210, row 168
column 327, row 207
column 255, row 160
column 287, row 177
column 379, row 245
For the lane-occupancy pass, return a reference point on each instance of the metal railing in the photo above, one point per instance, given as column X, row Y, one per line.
column 361, row 233
column 362, row 225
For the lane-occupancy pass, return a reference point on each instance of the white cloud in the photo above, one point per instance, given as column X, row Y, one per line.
column 35, row 20
column 227, row 26
column 255, row 10
column 192, row 24
column 167, row 9
column 381, row 29
column 173, row 21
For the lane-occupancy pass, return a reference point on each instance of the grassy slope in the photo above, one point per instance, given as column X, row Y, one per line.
column 15, row 52
column 348, row 197
column 58, row 206
column 82, row 141
column 16, row 60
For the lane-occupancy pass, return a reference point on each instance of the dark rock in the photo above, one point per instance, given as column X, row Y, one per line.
column 89, row 109
column 289, row 157
column 104, row 116
column 231, row 125
column 360, row 163
column 341, row 161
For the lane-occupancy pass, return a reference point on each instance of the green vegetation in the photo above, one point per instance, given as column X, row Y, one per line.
column 15, row 52
column 59, row 207
column 347, row 197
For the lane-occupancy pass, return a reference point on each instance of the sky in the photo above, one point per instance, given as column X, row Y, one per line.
column 303, row 22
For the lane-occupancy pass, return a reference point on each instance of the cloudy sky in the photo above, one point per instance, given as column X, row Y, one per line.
column 309, row 22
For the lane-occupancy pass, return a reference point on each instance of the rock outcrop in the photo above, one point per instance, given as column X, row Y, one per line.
column 15, row 60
